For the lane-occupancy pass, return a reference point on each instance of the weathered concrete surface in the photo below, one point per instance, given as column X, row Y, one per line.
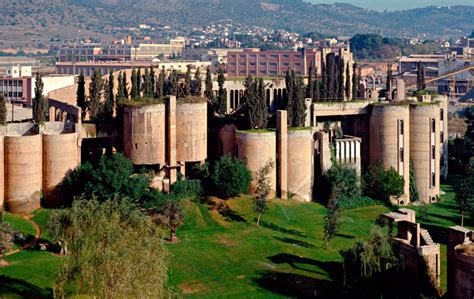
column 191, row 132
column 282, row 153
column 389, row 139
column 227, row 140
column 257, row 148
column 423, row 141
column 144, row 134
column 300, row 164
column 460, row 262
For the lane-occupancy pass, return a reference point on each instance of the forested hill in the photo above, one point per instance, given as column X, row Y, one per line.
column 104, row 16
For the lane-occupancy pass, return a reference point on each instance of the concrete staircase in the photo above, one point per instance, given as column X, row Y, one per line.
column 426, row 237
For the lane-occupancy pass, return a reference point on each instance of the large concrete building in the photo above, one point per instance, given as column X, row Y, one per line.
column 460, row 262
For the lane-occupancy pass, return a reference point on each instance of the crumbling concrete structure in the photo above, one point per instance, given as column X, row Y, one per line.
column 420, row 253
column 460, row 262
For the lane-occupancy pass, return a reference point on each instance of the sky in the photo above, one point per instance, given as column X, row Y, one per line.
column 398, row 4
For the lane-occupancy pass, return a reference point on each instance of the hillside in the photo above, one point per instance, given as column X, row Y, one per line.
column 41, row 20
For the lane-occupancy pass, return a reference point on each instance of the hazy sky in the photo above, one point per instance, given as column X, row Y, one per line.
column 398, row 4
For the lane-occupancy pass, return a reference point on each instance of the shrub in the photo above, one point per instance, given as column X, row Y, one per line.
column 342, row 181
column 230, row 177
column 187, row 188
column 351, row 203
column 381, row 183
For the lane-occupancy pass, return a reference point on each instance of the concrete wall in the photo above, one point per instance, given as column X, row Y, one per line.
column 2, row 172
column 144, row 134
column 257, row 149
column 460, row 264
column 23, row 169
column 61, row 154
column 422, row 141
column 227, row 140
column 300, row 164
column 390, row 140
column 191, row 131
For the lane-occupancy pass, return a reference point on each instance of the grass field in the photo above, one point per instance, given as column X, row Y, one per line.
column 222, row 253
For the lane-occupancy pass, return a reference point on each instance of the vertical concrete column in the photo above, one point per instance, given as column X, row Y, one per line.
column 52, row 114
column 2, row 173
column 282, row 153
column 171, row 137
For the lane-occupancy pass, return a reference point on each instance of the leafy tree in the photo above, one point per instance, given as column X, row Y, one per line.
column 152, row 90
column 187, row 82
column 124, row 85
column 256, row 105
column 81, row 94
column 296, row 103
column 372, row 267
column 167, row 211
column 6, row 237
column 465, row 194
column 389, row 81
column 3, row 110
column 414, row 195
column 222, row 93
column 230, row 177
column 208, row 85
column 95, row 93
column 332, row 220
column 40, row 103
column 172, row 84
column 340, row 81
column 197, row 90
column 381, row 183
column 147, row 84
column 263, row 190
column 120, row 95
column 342, row 182
column 113, row 248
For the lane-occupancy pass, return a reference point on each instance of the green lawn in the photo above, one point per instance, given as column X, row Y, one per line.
column 225, row 254
column 20, row 224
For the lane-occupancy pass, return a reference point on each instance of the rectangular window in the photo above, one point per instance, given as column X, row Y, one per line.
column 401, row 155
column 402, row 127
column 441, row 114
column 433, row 126
column 433, row 152
column 441, row 136
column 433, row 179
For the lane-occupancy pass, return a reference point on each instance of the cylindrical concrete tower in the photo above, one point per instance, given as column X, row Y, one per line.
column 300, row 164
column 144, row 134
column 390, row 139
column 227, row 140
column 191, row 130
column 60, row 155
column 257, row 148
column 425, row 149
column 23, row 168
column 2, row 172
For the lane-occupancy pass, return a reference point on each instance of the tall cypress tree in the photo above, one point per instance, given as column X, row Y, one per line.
column 172, row 85
column 389, row 82
column 299, row 100
column 134, row 94
column 147, row 87
column 95, row 90
column 81, row 94
column 109, row 104
column 316, row 86
column 355, row 81
column 310, row 87
column 222, row 93
column 124, row 85
column 39, row 102
column 348, row 82
column 262, row 105
column 198, row 86
column 289, row 83
column 340, row 79
column 420, row 77
column 138, row 80
column 160, row 85
column 414, row 195
column 3, row 110
column 208, row 85
column 152, row 82
column 187, row 82
column 325, row 81
column 120, row 96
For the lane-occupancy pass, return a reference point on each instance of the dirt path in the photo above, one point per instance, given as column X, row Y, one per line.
column 37, row 236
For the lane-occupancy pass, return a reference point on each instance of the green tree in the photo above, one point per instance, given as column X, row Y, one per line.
column 172, row 85
column 167, row 211
column 109, row 105
column 230, row 177
column 372, row 267
column 103, row 260
column 355, row 81
column 160, row 89
column 187, row 82
column 197, row 90
column 125, row 85
column 152, row 90
column 120, row 95
column 6, row 237
column 348, row 82
column 134, row 92
column 340, row 80
column 147, row 84
column 208, row 85
column 465, row 194
column 40, row 103
column 341, row 182
column 389, row 81
column 221, row 94
column 420, row 77
column 81, row 94
column 296, row 103
column 414, row 195
column 96, row 88
column 3, row 110
column 332, row 220
column 381, row 183
column 260, row 205
column 310, row 87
